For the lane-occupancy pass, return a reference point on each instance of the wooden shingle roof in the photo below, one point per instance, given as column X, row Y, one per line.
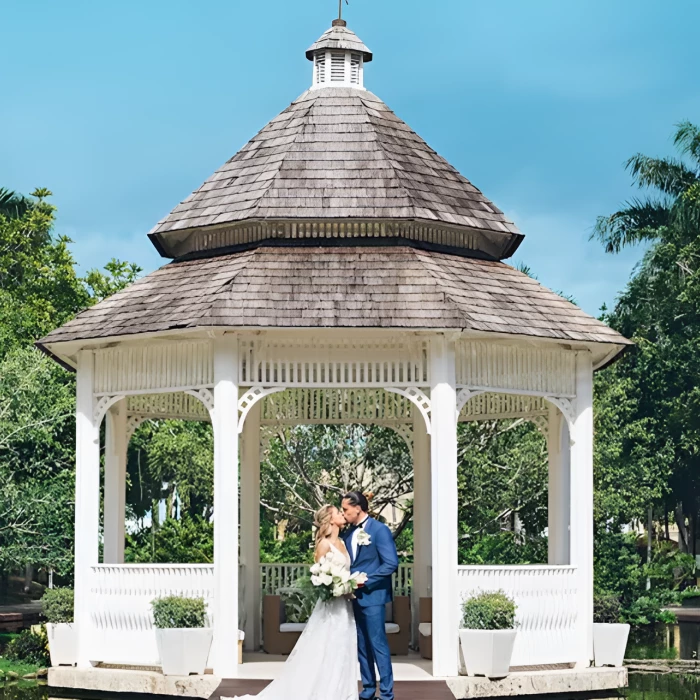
column 347, row 287
column 338, row 154
column 339, row 37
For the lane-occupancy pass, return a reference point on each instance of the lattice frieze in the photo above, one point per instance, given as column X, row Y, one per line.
column 319, row 362
column 310, row 406
column 185, row 364
column 177, row 405
column 485, row 406
column 482, row 365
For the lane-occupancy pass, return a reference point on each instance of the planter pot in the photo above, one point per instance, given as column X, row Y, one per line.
column 609, row 643
column 184, row 651
column 63, row 644
column 693, row 602
column 487, row 652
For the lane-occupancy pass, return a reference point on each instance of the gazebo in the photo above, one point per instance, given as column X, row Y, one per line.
column 335, row 270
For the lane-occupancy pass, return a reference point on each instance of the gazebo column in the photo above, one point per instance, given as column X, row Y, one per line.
column 443, row 471
column 581, row 495
column 250, row 525
column 224, row 654
column 115, row 483
column 87, row 501
column 559, row 488
column 422, row 518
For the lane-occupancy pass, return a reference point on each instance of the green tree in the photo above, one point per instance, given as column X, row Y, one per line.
column 659, row 311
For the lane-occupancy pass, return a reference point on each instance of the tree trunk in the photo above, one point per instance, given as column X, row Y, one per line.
column 692, row 539
column 666, row 530
column 682, row 530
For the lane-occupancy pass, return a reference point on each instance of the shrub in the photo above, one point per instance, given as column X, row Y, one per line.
column 177, row 612
column 57, row 605
column 491, row 610
column 299, row 600
column 29, row 647
column 646, row 610
column 606, row 607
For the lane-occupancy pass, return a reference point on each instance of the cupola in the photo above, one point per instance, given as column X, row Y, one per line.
column 338, row 57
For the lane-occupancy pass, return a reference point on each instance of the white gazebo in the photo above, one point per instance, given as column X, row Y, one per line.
column 335, row 270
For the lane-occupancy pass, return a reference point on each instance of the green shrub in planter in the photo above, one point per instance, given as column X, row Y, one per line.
column 299, row 600
column 177, row 612
column 57, row 605
column 29, row 647
column 606, row 607
column 491, row 610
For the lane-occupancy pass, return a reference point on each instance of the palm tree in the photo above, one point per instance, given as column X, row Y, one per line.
column 13, row 205
column 675, row 204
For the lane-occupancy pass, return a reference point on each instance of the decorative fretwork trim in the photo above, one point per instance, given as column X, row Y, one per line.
column 205, row 396
column 177, row 405
column 568, row 409
column 102, row 406
column 132, row 423
column 510, row 368
column 420, row 399
column 250, row 398
column 323, row 363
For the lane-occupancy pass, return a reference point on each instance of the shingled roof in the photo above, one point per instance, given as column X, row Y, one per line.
column 339, row 37
column 338, row 153
column 347, row 287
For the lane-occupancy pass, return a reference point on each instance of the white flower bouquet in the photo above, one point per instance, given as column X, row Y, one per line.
column 332, row 580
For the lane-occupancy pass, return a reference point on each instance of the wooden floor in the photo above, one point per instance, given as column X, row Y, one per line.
column 404, row 690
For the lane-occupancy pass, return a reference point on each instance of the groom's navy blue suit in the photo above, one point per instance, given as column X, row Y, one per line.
column 379, row 561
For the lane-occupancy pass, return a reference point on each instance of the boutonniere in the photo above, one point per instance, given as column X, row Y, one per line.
column 363, row 538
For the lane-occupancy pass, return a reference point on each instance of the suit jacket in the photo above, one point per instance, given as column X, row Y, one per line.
column 378, row 560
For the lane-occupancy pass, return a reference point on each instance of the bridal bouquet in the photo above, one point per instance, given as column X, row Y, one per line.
column 332, row 580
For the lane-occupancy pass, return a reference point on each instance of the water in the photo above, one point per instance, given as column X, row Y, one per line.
column 680, row 641
column 669, row 686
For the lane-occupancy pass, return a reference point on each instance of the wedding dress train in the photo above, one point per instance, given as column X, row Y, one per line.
column 323, row 664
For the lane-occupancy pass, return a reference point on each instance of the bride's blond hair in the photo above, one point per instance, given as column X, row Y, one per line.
column 322, row 521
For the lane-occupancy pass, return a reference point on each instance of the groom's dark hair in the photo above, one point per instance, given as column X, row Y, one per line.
column 356, row 498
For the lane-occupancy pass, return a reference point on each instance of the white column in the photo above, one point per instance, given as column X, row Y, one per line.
column 422, row 519
column 559, row 488
column 115, row 483
column 224, row 653
column 443, row 471
column 581, row 495
column 87, row 501
column 250, row 525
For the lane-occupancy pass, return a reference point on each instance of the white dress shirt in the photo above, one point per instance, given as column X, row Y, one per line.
column 353, row 539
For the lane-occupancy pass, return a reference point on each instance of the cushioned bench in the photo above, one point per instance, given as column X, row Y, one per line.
column 280, row 636
column 425, row 627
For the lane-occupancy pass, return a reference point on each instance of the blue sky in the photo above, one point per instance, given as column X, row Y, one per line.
column 123, row 108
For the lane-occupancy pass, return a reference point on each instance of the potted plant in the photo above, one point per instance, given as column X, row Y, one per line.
column 609, row 634
column 57, row 608
column 182, row 634
column 690, row 597
column 488, row 634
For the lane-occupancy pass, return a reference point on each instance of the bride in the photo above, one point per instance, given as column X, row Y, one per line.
column 323, row 663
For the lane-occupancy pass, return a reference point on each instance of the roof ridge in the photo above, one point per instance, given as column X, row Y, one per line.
column 280, row 164
column 375, row 133
column 421, row 259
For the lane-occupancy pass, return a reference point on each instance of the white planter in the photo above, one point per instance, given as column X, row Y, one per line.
column 184, row 651
column 63, row 644
column 487, row 652
column 609, row 643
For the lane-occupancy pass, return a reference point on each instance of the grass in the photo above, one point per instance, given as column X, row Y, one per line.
column 18, row 667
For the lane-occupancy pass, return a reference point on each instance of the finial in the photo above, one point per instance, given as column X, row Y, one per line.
column 340, row 9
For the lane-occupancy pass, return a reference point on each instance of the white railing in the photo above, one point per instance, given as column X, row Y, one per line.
column 276, row 576
column 120, row 606
column 546, row 597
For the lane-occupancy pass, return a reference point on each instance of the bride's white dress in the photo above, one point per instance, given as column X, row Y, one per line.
column 323, row 664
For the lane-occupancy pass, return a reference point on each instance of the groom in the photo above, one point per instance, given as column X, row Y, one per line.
column 373, row 552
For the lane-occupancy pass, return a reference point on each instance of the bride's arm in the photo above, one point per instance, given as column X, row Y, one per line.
column 322, row 549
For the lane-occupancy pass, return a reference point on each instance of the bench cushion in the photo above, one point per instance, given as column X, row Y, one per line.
column 392, row 628
column 425, row 628
column 292, row 627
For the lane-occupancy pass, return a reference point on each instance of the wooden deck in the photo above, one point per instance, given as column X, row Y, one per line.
column 404, row 690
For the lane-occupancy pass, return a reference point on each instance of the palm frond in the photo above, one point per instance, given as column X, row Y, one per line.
column 638, row 221
column 13, row 205
column 670, row 176
column 687, row 139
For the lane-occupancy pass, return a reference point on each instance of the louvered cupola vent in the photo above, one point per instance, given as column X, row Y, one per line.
column 339, row 58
